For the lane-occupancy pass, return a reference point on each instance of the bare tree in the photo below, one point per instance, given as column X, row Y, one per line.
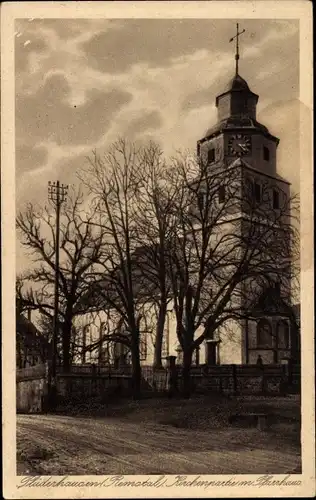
column 155, row 225
column 81, row 247
column 114, row 181
column 229, row 245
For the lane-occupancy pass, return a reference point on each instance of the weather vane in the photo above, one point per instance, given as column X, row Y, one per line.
column 237, row 45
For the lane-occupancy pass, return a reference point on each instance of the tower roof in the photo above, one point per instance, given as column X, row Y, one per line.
column 237, row 83
column 235, row 86
column 239, row 122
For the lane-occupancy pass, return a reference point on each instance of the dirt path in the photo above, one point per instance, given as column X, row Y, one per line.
column 69, row 445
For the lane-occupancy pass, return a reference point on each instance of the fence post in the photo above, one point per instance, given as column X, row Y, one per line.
column 172, row 382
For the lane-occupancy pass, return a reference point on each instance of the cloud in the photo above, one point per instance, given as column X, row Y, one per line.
column 49, row 116
column 89, row 81
column 25, row 45
column 197, row 99
column 158, row 42
column 29, row 157
column 145, row 122
column 67, row 29
column 154, row 42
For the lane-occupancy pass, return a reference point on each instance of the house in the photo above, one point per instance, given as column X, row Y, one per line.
column 31, row 347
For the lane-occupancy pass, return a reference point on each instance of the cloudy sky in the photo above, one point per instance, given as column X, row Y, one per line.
column 80, row 84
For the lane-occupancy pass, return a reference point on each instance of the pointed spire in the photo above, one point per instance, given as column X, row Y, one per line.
column 237, row 45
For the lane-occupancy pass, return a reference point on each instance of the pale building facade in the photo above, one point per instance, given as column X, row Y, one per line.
column 93, row 327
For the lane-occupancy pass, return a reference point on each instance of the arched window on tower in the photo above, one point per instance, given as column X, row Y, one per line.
column 264, row 333
column 283, row 334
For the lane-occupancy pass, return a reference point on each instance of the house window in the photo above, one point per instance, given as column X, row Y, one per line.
column 221, row 194
column 143, row 348
column 264, row 334
column 276, row 199
column 211, row 155
column 266, row 153
column 283, row 334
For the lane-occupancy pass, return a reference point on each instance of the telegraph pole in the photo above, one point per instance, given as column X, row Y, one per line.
column 57, row 195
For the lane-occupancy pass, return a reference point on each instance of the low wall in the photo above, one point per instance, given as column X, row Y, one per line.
column 79, row 387
column 31, row 389
column 93, row 381
column 87, row 381
column 241, row 379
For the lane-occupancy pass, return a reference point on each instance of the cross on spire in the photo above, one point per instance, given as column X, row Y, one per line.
column 237, row 45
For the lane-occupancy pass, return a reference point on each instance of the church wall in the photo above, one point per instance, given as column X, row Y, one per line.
column 230, row 349
column 268, row 186
column 147, row 336
column 89, row 327
column 216, row 143
column 269, row 355
column 257, row 157
column 252, row 334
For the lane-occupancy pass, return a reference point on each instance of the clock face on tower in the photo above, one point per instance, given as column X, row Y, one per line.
column 239, row 145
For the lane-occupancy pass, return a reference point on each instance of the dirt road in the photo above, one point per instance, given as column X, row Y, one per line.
column 58, row 445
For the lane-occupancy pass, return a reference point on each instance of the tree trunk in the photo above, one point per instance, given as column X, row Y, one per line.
column 186, row 372
column 136, row 370
column 159, row 334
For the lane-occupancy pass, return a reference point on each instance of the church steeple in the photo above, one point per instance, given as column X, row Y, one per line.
column 237, row 99
column 237, row 132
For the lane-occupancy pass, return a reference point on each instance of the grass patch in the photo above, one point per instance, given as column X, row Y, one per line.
column 32, row 452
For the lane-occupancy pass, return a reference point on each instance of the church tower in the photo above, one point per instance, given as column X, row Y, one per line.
column 237, row 133
column 239, row 139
